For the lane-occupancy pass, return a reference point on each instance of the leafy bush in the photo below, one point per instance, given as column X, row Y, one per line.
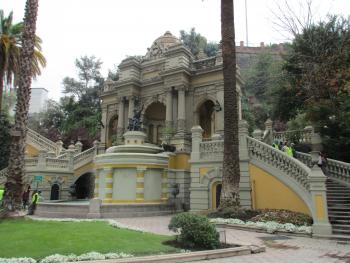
column 195, row 231
column 242, row 214
column 283, row 217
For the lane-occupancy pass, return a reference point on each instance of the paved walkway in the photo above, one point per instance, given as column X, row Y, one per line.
column 278, row 248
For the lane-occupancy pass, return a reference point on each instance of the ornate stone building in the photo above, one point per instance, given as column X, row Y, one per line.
column 172, row 89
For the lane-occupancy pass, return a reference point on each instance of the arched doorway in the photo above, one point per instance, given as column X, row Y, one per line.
column 84, row 186
column 206, row 114
column 55, row 192
column 216, row 193
column 154, row 121
column 112, row 130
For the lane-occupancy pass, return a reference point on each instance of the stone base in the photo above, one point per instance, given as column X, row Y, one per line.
column 321, row 229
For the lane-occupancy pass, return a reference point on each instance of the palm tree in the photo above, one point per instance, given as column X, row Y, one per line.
column 231, row 171
column 14, row 185
column 10, row 49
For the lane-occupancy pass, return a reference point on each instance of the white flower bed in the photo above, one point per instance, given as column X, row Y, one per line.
column 270, row 226
column 57, row 258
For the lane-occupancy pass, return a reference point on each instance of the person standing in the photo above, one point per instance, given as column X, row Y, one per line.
column 35, row 199
column 1, row 196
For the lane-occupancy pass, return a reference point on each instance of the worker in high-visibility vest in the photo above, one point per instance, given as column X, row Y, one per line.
column 35, row 199
column 275, row 145
column 2, row 191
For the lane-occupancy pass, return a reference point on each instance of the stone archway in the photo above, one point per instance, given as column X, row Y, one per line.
column 84, row 186
column 216, row 193
column 154, row 121
column 55, row 192
column 206, row 118
column 112, row 130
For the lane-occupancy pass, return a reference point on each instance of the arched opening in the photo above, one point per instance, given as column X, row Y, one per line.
column 55, row 192
column 206, row 114
column 216, row 193
column 154, row 120
column 112, row 130
column 84, row 186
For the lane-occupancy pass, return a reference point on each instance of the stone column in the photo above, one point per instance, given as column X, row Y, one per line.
column 97, row 184
column 317, row 180
column 42, row 159
column 164, row 195
column 181, row 115
column 108, row 184
column 131, row 107
column 268, row 128
column 140, row 184
column 120, row 128
column 104, row 128
column 244, row 184
column 169, row 110
column 197, row 137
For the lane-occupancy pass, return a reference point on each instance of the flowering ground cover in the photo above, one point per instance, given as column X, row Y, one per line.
column 39, row 239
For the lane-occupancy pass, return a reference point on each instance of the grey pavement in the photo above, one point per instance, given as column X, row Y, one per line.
column 278, row 248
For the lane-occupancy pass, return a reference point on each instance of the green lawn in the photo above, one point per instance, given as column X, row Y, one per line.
column 38, row 239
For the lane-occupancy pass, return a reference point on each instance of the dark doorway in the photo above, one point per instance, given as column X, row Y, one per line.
column 218, row 194
column 84, row 186
column 55, row 192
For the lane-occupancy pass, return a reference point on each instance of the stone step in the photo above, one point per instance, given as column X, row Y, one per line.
column 341, row 217
column 345, row 222
column 341, row 232
column 341, row 227
column 339, row 213
column 338, row 237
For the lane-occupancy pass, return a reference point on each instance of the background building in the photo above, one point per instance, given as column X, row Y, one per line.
column 38, row 100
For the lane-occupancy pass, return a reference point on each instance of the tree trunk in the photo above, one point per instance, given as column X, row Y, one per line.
column 15, row 181
column 231, row 171
column 1, row 88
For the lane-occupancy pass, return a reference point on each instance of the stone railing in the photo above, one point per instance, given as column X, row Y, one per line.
column 84, row 157
column 334, row 168
column 31, row 162
column 211, row 149
column 42, row 142
column 301, row 136
column 55, row 163
column 204, row 63
column 293, row 168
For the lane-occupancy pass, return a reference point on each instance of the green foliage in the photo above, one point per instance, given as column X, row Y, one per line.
column 242, row 214
column 317, row 70
column 195, row 42
column 195, row 231
column 283, row 217
column 5, row 140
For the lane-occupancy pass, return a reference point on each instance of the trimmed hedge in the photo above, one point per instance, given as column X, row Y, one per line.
column 195, row 231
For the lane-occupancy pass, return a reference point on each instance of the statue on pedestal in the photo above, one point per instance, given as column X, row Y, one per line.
column 135, row 122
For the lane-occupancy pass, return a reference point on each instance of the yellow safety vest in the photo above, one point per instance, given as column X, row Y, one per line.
column 1, row 193
column 289, row 151
column 35, row 198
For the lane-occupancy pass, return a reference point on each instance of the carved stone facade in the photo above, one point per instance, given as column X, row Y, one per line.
column 175, row 90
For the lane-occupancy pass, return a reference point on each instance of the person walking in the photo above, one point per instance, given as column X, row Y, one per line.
column 35, row 199
column 2, row 191
column 275, row 145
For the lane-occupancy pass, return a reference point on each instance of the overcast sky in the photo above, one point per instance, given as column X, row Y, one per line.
column 113, row 29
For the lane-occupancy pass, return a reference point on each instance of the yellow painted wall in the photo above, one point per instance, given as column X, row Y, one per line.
column 31, row 151
column 179, row 161
column 269, row 192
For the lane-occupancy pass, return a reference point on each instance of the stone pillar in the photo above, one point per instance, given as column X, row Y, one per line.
column 97, row 184
column 169, row 109
column 42, row 159
column 131, row 107
column 317, row 180
column 244, row 184
column 70, row 155
column 197, row 136
column 258, row 134
column 181, row 111
column 268, row 128
column 120, row 128
column 78, row 146
column 104, row 128
column 108, row 184
column 165, row 190
column 59, row 147
column 140, row 184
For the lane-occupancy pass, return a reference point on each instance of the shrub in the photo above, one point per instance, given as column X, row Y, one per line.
column 195, row 231
column 242, row 214
column 283, row 217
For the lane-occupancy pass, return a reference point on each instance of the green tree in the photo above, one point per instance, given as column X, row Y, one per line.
column 10, row 49
column 15, row 180
column 195, row 42
column 317, row 68
column 231, row 170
